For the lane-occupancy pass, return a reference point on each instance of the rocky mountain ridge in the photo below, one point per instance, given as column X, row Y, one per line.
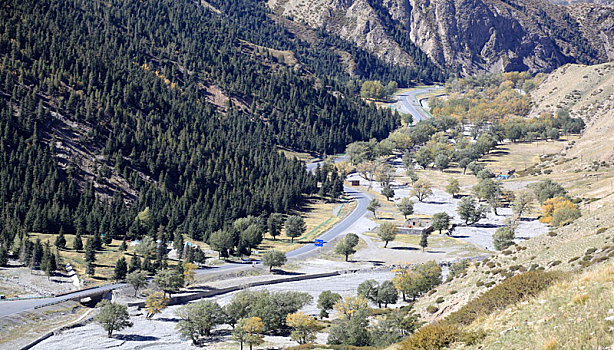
column 466, row 36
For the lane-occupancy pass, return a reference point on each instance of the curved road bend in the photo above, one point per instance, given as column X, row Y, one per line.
column 8, row 307
column 410, row 103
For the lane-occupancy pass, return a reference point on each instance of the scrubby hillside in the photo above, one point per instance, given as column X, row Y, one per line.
column 586, row 92
column 583, row 250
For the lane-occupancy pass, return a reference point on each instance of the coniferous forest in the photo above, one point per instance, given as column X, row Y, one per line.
column 130, row 82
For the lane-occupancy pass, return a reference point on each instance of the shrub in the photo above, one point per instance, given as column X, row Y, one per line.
column 512, row 290
column 551, row 344
column 601, row 230
column 503, row 238
column 452, row 292
column 479, row 283
column 565, row 216
column 552, row 234
column 573, row 259
column 590, row 251
column 439, row 300
column 432, row 336
column 472, row 338
column 554, row 263
column 432, row 309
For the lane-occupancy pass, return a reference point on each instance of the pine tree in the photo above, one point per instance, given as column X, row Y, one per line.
column 90, row 252
column 60, row 240
column 90, row 269
column 97, row 242
column 135, row 263
column 424, row 240
column 77, row 243
column 121, row 269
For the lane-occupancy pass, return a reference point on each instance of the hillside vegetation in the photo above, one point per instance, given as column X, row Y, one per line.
column 576, row 311
column 105, row 112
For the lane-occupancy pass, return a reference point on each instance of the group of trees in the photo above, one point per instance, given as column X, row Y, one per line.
column 331, row 181
column 374, row 89
column 353, row 326
column 416, row 280
column 248, row 232
column 147, row 120
column 250, row 314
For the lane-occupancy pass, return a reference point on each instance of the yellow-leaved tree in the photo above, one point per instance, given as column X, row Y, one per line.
column 351, row 305
column 249, row 330
column 189, row 271
column 559, row 211
column 305, row 327
column 155, row 303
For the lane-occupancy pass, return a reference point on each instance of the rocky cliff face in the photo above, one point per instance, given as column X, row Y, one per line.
column 467, row 36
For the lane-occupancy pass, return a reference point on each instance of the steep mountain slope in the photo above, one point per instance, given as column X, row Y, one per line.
column 109, row 109
column 467, row 36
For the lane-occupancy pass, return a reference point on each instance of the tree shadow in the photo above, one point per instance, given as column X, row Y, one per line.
column 167, row 319
column 487, row 225
column 459, row 236
column 404, row 248
column 435, row 202
column 376, row 262
column 135, row 337
column 435, row 251
column 499, row 152
column 286, row 273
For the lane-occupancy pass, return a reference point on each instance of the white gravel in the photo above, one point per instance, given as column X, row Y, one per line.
column 160, row 332
column 479, row 234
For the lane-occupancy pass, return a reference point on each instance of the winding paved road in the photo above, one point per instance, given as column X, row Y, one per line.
column 411, row 105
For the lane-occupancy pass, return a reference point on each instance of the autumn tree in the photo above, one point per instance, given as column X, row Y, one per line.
column 374, row 204
column 421, row 190
column 406, row 207
column 189, row 271
column 387, row 232
column 453, row 187
column 304, row 327
column 351, row 305
column 274, row 258
column 346, row 245
column 137, row 279
column 155, row 303
column 523, row 202
column 441, row 221
column 249, row 330
column 326, row 301
column 559, row 211
column 112, row 317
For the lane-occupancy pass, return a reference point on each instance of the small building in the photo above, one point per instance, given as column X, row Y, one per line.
column 416, row 225
column 355, row 182
column 505, row 174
